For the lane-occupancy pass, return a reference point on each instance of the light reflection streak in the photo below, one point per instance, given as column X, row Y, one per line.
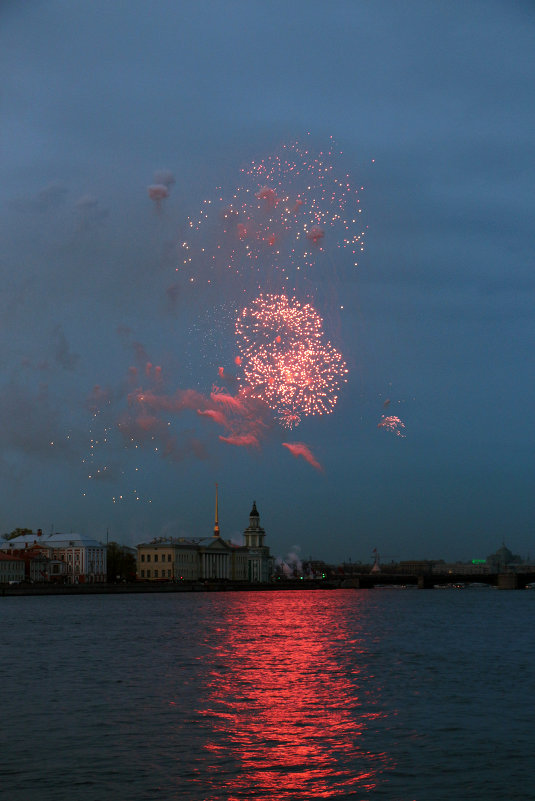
column 284, row 707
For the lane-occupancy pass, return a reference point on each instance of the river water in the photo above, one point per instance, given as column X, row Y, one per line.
column 372, row 694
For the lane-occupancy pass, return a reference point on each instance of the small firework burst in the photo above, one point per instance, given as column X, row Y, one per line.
column 393, row 424
column 288, row 418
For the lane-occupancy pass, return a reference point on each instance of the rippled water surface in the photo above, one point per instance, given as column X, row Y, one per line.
column 409, row 695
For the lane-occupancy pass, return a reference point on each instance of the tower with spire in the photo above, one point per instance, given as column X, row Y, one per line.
column 216, row 524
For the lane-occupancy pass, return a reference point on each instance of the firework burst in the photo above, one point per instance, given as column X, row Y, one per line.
column 393, row 424
column 290, row 209
column 286, row 361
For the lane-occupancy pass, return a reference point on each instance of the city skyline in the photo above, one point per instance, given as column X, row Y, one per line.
column 133, row 368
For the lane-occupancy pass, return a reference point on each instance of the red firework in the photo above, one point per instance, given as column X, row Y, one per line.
column 285, row 359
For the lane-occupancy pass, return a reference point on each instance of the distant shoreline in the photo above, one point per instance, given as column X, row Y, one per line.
column 193, row 586
column 505, row 581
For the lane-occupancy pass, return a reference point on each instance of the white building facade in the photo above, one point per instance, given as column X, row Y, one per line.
column 83, row 558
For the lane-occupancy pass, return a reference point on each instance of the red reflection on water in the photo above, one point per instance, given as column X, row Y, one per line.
column 286, row 712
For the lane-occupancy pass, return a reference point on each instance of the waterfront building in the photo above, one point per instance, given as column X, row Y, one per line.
column 83, row 558
column 476, row 567
column 11, row 569
column 416, row 567
column 38, row 565
column 503, row 559
column 207, row 558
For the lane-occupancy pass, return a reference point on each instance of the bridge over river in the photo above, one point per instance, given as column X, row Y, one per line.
column 503, row 581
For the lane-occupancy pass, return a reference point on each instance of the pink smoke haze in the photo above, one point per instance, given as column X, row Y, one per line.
column 98, row 398
column 228, row 378
column 269, row 195
column 182, row 399
column 213, row 414
column 231, row 402
column 241, row 440
column 147, row 422
column 164, row 178
column 176, row 451
column 300, row 449
column 315, row 234
column 158, row 193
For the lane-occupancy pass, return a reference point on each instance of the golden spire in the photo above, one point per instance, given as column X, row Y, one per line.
column 216, row 526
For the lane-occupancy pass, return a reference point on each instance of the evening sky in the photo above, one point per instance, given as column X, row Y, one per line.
column 431, row 106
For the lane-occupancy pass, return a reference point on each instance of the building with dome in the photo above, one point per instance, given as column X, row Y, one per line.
column 503, row 558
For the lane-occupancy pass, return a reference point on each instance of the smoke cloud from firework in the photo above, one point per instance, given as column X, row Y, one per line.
column 300, row 449
column 161, row 188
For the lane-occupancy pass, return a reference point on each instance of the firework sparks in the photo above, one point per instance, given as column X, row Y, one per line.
column 393, row 424
column 286, row 361
column 285, row 208
column 288, row 418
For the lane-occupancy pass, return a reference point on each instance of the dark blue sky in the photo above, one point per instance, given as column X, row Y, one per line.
column 432, row 107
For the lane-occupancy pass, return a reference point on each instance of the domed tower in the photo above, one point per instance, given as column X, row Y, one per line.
column 254, row 533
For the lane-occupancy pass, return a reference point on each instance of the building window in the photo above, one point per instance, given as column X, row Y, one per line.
column 142, row 574
column 148, row 557
column 168, row 574
column 142, row 557
column 148, row 573
column 155, row 574
column 168, row 557
column 155, row 557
